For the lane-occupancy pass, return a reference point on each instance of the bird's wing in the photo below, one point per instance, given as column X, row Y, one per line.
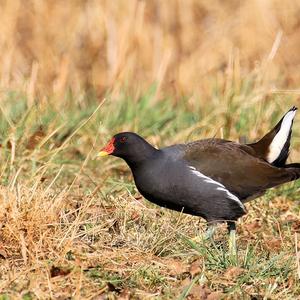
column 234, row 166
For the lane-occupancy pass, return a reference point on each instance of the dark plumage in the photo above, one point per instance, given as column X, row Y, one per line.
column 210, row 178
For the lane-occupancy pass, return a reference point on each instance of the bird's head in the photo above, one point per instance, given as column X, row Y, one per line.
column 129, row 146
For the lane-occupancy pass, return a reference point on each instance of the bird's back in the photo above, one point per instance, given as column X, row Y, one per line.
column 236, row 166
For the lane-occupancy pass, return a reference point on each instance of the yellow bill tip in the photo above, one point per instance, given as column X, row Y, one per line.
column 102, row 153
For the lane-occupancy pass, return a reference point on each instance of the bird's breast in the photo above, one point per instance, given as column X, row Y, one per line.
column 162, row 180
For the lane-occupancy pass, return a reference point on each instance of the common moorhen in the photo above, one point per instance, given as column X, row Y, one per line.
column 210, row 178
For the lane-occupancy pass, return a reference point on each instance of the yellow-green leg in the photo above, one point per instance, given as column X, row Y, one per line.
column 232, row 240
column 209, row 234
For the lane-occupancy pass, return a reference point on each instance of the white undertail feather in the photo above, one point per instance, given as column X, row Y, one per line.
column 219, row 186
column 281, row 137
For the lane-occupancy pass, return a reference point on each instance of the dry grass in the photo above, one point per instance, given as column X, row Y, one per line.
column 181, row 46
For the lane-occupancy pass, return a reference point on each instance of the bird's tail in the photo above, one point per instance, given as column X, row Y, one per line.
column 274, row 146
column 294, row 170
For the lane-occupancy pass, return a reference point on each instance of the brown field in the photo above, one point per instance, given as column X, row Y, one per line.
column 73, row 73
column 182, row 46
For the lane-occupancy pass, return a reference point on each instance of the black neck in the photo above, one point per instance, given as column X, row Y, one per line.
column 137, row 158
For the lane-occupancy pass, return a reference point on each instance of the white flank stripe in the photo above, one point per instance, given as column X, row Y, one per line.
column 220, row 187
column 281, row 137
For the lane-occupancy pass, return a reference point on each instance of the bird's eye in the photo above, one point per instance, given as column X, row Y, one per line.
column 123, row 139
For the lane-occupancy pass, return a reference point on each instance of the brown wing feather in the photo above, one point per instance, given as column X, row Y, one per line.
column 235, row 166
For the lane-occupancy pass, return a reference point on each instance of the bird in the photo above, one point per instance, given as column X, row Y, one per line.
column 211, row 178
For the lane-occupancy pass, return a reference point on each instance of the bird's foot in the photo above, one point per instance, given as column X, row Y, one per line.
column 209, row 234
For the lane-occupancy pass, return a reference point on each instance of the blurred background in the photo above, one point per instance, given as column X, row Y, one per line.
column 74, row 73
column 181, row 47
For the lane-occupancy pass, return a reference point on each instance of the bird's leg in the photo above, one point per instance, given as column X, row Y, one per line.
column 232, row 239
column 209, row 234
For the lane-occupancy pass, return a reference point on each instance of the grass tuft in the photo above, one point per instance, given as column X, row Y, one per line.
column 73, row 226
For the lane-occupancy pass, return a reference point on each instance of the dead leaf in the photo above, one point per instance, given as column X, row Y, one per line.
column 185, row 282
column 195, row 268
column 177, row 267
column 233, row 272
column 253, row 227
column 215, row 296
column 273, row 244
column 59, row 271
column 199, row 292
column 135, row 216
